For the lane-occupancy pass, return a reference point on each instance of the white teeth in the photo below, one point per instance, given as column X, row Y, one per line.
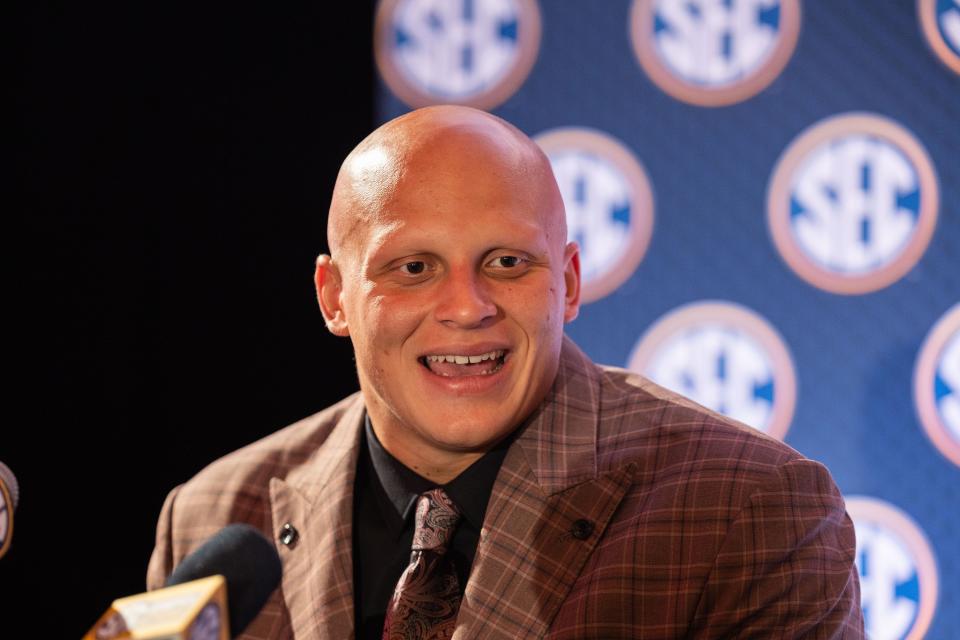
column 493, row 355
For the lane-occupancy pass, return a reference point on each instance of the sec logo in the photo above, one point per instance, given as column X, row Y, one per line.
column 898, row 573
column 940, row 20
column 726, row 358
column 473, row 52
column 852, row 203
column 608, row 201
column 936, row 385
column 714, row 52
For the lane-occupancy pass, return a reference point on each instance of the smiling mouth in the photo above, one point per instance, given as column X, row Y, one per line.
column 455, row 366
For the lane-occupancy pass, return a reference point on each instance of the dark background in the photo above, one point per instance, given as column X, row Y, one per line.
column 172, row 170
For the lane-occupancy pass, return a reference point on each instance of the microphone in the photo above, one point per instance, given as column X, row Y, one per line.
column 9, row 497
column 238, row 565
column 248, row 562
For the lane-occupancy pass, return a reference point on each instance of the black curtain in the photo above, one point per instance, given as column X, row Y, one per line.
column 173, row 166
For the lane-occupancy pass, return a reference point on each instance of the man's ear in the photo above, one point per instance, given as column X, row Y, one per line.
column 571, row 278
column 329, row 285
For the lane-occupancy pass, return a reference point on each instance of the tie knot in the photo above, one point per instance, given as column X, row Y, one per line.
column 436, row 519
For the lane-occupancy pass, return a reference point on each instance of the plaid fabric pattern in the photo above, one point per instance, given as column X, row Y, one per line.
column 621, row 511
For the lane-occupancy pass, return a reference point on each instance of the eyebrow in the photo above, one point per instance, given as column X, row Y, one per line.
column 515, row 234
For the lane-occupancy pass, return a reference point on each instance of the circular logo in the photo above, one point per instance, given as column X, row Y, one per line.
column 206, row 626
column 6, row 519
column 473, row 52
column 726, row 358
column 936, row 385
column 113, row 626
column 9, row 494
column 713, row 53
column 852, row 203
column 609, row 205
column 898, row 573
column 940, row 20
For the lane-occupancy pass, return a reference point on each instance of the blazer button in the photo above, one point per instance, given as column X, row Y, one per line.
column 582, row 529
column 289, row 535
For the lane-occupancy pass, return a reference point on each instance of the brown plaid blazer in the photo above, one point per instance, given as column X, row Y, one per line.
column 621, row 511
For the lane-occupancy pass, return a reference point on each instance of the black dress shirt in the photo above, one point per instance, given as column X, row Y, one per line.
column 385, row 497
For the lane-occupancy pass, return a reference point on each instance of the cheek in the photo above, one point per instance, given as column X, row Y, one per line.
column 390, row 320
column 536, row 311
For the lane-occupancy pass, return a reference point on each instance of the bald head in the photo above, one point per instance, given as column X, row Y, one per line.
column 448, row 238
column 422, row 150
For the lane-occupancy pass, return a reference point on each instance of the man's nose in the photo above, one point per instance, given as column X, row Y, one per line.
column 465, row 300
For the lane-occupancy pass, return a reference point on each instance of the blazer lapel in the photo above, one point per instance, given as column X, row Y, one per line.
column 548, row 509
column 317, row 502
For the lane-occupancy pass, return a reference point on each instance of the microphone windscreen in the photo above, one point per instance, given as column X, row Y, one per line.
column 249, row 563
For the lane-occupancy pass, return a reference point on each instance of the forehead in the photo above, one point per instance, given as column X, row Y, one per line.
column 456, row 214
column 459, row 183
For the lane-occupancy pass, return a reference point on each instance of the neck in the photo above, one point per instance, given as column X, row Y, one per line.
column 433, row 463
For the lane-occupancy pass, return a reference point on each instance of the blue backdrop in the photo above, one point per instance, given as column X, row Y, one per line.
column 767, row 194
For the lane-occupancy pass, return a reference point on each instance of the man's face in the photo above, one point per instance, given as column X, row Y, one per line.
column 454, row 295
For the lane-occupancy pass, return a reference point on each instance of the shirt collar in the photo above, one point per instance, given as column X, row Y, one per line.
column 470, row 490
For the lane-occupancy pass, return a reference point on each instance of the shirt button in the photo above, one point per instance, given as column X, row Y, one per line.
column 582, row 529
column 288, row 535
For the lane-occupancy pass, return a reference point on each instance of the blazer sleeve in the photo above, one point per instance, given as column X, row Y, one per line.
column 161, row 561
column 786, row 567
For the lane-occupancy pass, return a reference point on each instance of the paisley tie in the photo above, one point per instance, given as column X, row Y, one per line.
column 425, row 603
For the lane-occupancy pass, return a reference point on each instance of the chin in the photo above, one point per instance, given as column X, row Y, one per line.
column 469, row 435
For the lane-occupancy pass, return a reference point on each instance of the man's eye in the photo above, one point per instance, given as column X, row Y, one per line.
column 414, row 268
column 506, row 262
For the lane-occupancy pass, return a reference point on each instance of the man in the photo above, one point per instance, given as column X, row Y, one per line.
column 581, row 502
